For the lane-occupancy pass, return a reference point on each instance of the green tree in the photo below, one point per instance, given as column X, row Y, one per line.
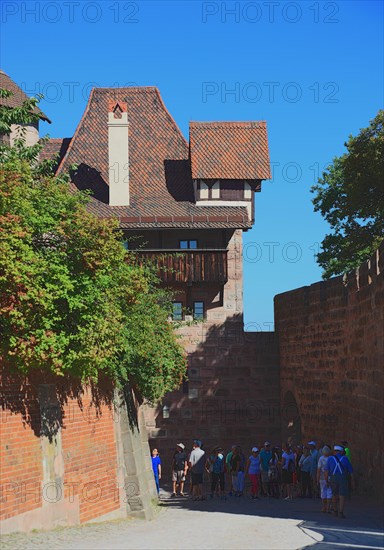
column 72, row 299
column 350, row 196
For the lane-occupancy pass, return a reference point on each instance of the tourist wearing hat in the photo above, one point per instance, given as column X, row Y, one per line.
column 196, row 465
column 215, row 465
column 336, row 475
column 179, row 469
column 265, row 456
column 253, row 470
column 325, row 489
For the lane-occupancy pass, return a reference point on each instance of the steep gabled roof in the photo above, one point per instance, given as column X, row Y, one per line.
column 160, row 182
column 18, row 96
column 229, row 150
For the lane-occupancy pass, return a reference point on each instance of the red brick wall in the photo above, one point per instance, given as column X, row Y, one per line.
column 89, row 453
column 20, row 461
column 331, row 338
column 84, row 457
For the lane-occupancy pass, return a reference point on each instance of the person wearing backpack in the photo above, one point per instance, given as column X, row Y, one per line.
column 179, row 469
column 336, row 476
column 215, row 465
column 287, row 469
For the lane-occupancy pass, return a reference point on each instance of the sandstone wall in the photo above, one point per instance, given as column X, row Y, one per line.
column 232, row 394
column 331, row 338
column 70, row 454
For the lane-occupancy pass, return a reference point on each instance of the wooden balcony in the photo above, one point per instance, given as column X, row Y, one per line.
column 189, row 265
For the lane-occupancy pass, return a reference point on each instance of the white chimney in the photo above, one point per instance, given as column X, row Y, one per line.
column 118, row 153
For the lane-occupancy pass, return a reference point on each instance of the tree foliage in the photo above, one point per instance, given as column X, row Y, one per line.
column 72, row 299
column 350, row 196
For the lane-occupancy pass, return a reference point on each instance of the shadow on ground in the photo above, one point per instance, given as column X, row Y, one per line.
column 362, row 528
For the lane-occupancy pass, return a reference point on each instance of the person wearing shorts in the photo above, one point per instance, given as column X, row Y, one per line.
column 196, row 465
column 179, row 469
column 325, row 489
column 288, row 465
column 336, row 474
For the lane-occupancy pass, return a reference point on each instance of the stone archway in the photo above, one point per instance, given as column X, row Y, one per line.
column 290, row 419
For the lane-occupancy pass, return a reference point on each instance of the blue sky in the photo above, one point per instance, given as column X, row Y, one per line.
column 312, row 70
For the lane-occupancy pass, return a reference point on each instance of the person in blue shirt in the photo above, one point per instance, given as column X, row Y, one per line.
column 336, row 473
column 156, row 467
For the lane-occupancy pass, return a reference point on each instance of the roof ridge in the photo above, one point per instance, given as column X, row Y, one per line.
column 131, row 88
column 58, row 139
column 227, row 122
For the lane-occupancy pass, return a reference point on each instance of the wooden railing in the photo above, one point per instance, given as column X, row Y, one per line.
column 189, row 265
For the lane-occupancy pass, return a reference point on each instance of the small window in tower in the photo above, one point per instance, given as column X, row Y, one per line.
column 247, row 190
column 188, row 244
column 177, row 314
column 198, row 311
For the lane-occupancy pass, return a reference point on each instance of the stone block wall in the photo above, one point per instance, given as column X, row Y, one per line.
column 331, row 344
column 232, row 394
column 70, row 454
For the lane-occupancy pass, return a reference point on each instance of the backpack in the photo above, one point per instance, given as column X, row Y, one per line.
column 273, row 472
column 179, row 461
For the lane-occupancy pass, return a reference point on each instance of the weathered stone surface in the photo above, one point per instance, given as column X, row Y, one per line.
column 331, row 340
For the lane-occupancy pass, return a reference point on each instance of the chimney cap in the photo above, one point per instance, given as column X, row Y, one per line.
column 113, row 105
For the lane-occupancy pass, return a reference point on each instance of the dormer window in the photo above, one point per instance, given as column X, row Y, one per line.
column 208, row 189
column 203, row 190
column 215, row 191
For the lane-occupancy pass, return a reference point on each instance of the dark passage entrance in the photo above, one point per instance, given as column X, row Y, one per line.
column 290, row 419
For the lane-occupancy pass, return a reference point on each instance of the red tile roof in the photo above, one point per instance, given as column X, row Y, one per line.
column 55, row 147
column 160, row 179
column 18, row 96
column 229, row 150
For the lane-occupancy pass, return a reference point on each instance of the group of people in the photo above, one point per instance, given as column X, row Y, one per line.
column 306, row 471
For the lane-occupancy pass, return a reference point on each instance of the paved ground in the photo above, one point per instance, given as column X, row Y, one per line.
column 213, row 524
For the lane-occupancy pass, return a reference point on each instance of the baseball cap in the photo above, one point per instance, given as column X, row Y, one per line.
column 312, row 443
column 338, row 448
column 181, row 446
column 255, row 449
column 197, row 442
column 266, row 444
